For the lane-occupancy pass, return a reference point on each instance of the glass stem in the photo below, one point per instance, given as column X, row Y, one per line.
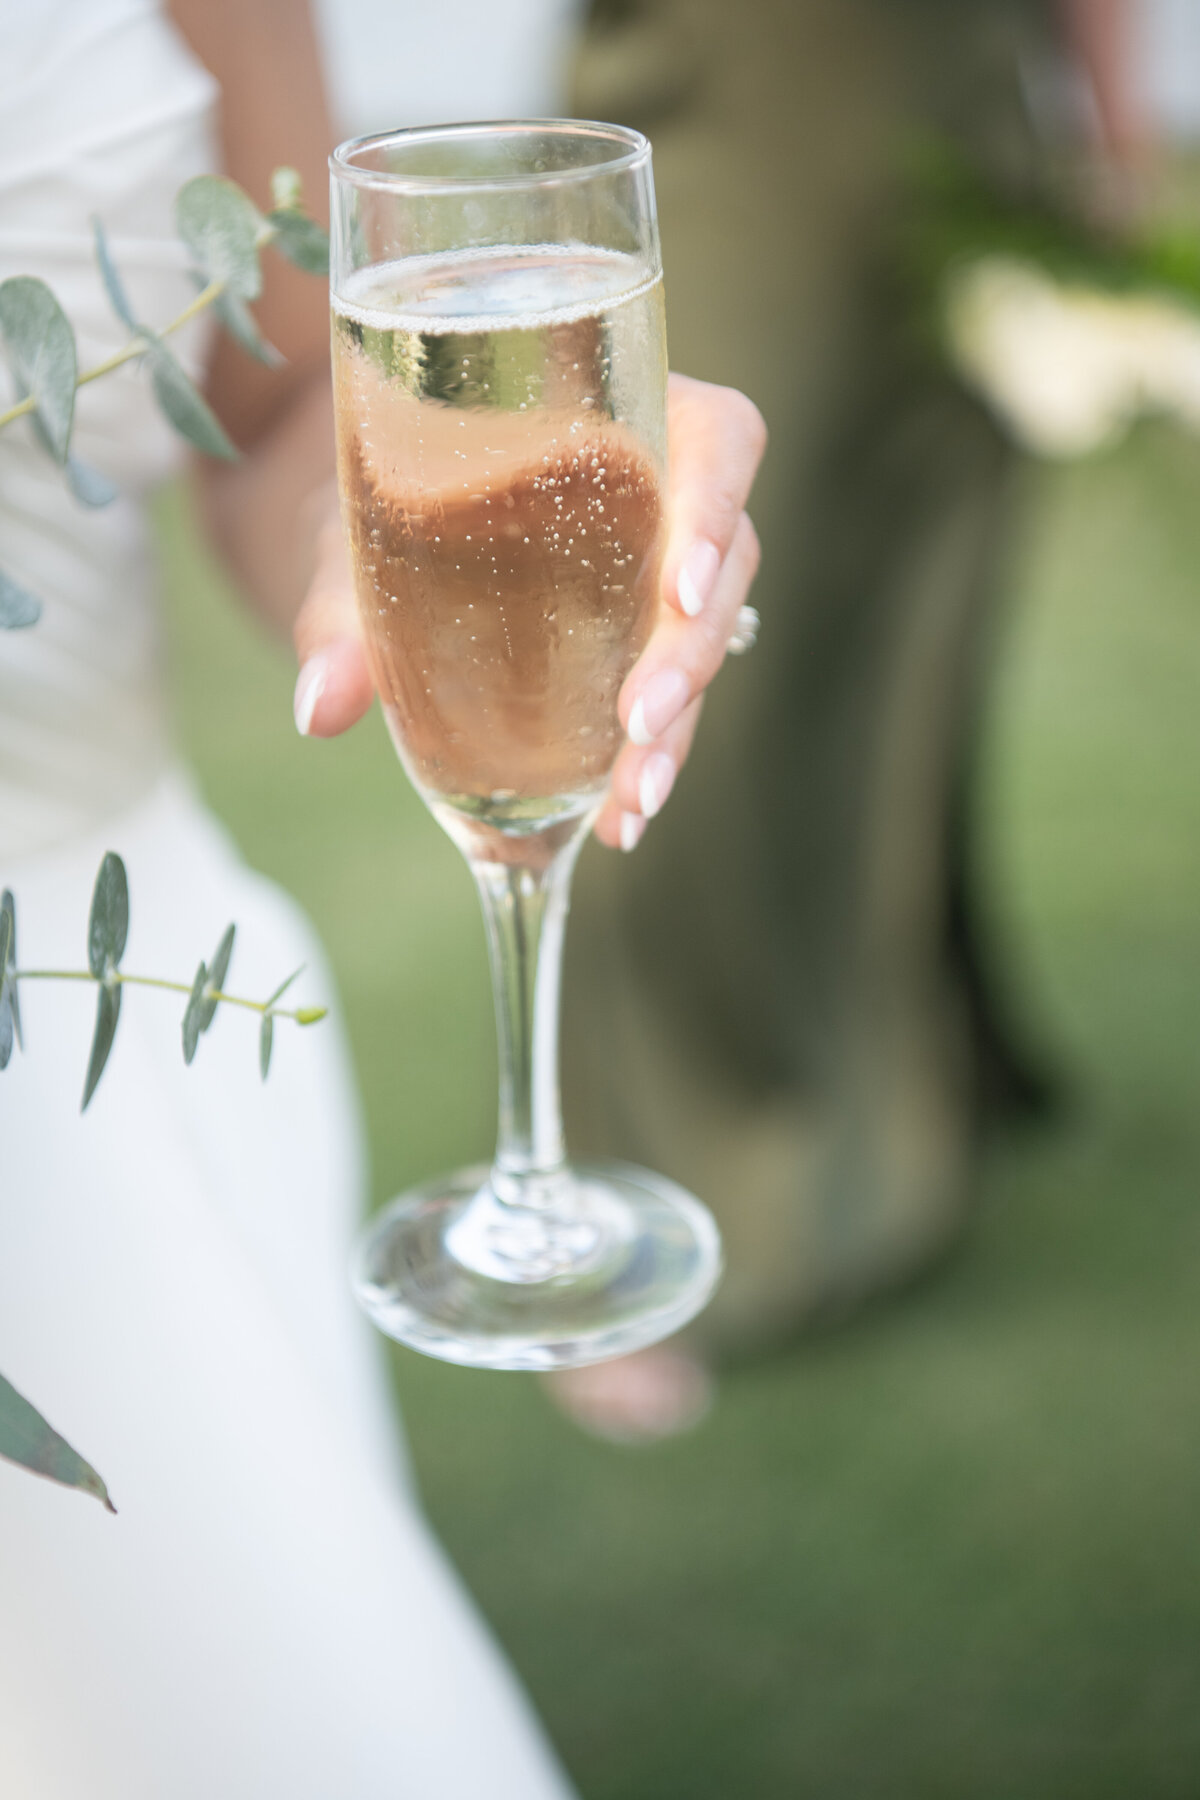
column 525, row 915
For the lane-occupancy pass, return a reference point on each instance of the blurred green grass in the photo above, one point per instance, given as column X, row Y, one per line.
column 952, row 1549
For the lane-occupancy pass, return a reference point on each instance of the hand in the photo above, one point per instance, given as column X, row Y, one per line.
column 1125, row 156
column 1101, row 33
column 716, row 440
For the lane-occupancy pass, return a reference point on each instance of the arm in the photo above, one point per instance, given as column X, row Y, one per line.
column 261, row 511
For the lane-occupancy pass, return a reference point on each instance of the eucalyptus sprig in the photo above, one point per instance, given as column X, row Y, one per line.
column 108, row 930
column 25, row 1436
column 224, row 233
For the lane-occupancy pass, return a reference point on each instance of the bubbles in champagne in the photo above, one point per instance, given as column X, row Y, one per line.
column 500, row 421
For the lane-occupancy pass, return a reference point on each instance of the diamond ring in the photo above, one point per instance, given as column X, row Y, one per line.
column 744, row 635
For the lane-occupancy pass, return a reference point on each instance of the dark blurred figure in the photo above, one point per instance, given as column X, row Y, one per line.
column 782, row 999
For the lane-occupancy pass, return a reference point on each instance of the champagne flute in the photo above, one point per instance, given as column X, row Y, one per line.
column 499, row 355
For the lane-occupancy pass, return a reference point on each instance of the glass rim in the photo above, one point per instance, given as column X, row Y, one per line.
column 634, row 151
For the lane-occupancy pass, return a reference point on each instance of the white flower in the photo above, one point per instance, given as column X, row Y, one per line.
column 1070, row 368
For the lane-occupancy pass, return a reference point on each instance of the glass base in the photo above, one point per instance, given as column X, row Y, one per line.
column 615, row 1259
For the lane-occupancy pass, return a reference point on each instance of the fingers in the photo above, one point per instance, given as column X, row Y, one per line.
column 334, row 687
column 717, row 438
column 642, row 779
column 684, row 654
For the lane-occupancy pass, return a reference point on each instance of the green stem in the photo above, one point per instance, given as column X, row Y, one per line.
column 174, row 987
column 135, row 347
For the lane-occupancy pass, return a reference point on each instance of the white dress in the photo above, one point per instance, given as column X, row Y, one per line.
column 268, row 1615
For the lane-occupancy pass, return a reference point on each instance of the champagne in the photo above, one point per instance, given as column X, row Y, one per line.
column 500, row 459
column 501, row 417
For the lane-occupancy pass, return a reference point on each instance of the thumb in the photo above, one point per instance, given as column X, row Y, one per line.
column 334, row 687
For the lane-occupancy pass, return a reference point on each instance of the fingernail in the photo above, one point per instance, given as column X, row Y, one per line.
column 310, row 685
column 697, row 577
column 655, row 783
column 631, row 830
column 661, row 700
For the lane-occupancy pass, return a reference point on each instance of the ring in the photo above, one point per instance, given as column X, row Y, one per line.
column 744, row 635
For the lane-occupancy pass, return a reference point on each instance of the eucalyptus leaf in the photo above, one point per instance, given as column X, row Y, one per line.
column 26, row 1438
column 193, row 1014
column 266, row 1038
column 88, row 485
column 108, row 1011
column 283, row 987
column 184, row 405
column 216, row 977
column 8, row 961
column 117, row 297
column 220, row 226
column 241, row 325
column 108, row 926
column 18, row 607
column 41, row 353
column 300, row 239
column 7, row 1022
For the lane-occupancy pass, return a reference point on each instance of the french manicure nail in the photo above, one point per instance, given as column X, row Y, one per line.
column 697, row 577
column 310, row 685
column 655, row 783
column 631, row 830
column 660, row 702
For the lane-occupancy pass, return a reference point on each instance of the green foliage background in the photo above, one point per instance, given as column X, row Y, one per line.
column 951, row 1550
